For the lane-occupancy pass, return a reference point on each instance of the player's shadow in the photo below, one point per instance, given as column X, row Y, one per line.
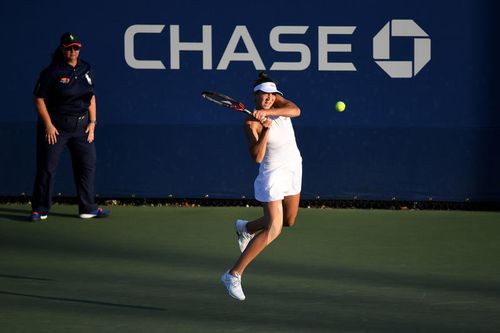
column 23, row 277
column 67, row 299
column 77, row 300
column 22, row 215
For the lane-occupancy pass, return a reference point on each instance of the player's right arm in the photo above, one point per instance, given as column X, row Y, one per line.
column 257, row 135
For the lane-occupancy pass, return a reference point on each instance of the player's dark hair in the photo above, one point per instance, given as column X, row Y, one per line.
column 263, row 77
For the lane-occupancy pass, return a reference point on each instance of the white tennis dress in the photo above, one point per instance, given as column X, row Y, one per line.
column 280, row 172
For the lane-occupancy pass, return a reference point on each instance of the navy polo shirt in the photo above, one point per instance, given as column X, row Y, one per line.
column 67, row 90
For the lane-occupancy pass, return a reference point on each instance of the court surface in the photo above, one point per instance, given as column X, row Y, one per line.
column 157, row 269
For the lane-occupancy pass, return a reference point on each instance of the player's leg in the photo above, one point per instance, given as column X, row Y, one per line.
column 273, row 217
column 246, row 231
column 290, row 209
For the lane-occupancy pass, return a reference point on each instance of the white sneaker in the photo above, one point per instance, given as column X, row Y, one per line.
column 243, row 236
column 98, row 213
column 233, row 285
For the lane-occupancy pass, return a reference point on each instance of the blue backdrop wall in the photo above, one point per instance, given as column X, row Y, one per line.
column 418, row 77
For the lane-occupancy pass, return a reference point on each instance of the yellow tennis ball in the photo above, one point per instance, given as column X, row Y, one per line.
column 340, row 106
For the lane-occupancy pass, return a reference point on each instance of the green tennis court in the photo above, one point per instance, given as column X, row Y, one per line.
column 157, row 269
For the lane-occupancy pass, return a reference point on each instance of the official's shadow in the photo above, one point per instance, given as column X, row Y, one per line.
column 23, row 215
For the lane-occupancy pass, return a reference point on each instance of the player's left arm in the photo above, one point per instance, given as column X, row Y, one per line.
column 281, row 107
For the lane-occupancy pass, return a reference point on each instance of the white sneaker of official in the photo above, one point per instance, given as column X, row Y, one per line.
column 233, row 285
column 243, row 236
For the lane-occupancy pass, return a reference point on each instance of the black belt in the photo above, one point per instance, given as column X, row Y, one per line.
column 63, row 115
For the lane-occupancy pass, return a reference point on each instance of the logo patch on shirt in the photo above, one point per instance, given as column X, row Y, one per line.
column 64, row 80
column 89, row 80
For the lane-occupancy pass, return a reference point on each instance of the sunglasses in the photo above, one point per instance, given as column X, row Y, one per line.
column 73, row 47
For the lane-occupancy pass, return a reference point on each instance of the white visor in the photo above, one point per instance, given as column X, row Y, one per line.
column 268, row 87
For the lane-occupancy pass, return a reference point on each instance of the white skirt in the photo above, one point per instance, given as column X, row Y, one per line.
column 277, row 183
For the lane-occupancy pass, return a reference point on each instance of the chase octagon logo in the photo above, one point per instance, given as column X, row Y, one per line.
column 382, row 50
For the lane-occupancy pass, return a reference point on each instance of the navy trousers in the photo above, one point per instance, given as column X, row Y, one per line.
column 83, row 157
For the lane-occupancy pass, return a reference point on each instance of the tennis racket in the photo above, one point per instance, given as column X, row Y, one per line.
column 226, row 101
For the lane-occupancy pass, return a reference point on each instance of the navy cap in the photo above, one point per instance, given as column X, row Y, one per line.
column 69, row 39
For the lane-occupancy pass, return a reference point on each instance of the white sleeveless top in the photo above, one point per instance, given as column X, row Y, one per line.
column 281, row 146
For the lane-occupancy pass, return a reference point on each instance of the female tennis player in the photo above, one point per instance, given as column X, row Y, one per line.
column 272, row 144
